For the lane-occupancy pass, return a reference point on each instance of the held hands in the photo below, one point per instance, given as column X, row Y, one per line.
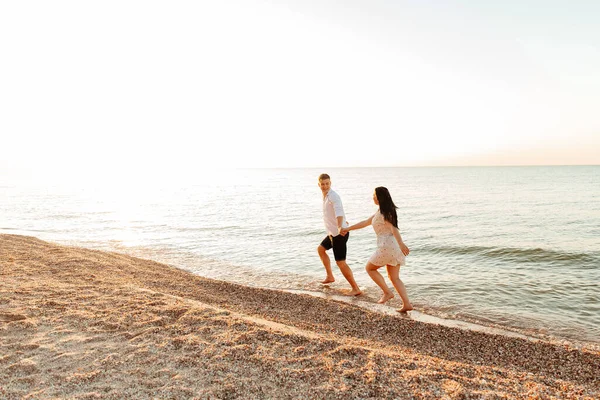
column 404, row 249
column 343, row 231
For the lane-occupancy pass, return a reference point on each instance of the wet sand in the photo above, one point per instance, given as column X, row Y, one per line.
column 78, row 323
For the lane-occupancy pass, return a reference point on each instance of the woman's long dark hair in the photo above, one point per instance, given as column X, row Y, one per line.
column 386, row 205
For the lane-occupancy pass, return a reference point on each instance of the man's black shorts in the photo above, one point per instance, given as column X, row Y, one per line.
column 338, row 243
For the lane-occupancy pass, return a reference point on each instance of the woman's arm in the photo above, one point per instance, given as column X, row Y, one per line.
column 359, row 225
column 403, row 247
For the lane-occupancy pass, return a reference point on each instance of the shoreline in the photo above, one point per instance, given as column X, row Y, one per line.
column 419, row 316
column 431, row 314
column 85, row 323
column 536, row 329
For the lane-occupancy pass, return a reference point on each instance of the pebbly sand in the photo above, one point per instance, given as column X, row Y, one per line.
column 78, row 323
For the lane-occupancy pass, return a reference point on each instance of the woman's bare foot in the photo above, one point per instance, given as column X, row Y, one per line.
column 354, row 292
column 328, row 280
column 405, row 308
column 384, row 299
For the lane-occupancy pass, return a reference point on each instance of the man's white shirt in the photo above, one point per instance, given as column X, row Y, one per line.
column 333, row 208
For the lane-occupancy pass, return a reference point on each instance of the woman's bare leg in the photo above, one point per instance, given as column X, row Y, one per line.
column 394, row 275
column 380, row 281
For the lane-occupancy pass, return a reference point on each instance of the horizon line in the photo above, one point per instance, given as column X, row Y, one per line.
column 431, row 166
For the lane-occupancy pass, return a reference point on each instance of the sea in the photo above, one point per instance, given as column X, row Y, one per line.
column 510, row 247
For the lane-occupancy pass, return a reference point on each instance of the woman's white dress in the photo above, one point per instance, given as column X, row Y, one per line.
column 388, row 250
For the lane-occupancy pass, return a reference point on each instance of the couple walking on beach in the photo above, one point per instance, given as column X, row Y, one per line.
column 391, row 250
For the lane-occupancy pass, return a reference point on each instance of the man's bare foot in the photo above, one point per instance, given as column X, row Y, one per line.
column 354, row 292
column 384, row 299
column 328, row 280
column 405, row 309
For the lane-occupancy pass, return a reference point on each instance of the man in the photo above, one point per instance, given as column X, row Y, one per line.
column 335, row 220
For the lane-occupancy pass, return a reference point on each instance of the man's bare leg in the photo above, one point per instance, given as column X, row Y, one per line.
column 327, row 264
column 394, row 275
column 347, row 272
column 378, row 279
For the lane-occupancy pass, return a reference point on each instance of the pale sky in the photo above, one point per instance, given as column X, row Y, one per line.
column 188, row 86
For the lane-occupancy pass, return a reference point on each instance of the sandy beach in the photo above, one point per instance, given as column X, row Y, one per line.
column 79, row 323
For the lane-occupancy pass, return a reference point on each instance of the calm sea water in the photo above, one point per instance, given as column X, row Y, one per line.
column 516, row 247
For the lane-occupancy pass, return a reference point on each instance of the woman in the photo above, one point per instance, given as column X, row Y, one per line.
column 391, row 250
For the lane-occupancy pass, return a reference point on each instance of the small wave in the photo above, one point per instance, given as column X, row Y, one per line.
column 64, row 216
column 204, row 229
column 517, row 255
column 24, row 230
column 313, row 232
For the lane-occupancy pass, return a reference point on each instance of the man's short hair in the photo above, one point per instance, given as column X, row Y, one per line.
column 322, row 177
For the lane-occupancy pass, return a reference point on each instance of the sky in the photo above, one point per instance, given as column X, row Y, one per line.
column 185, row 87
